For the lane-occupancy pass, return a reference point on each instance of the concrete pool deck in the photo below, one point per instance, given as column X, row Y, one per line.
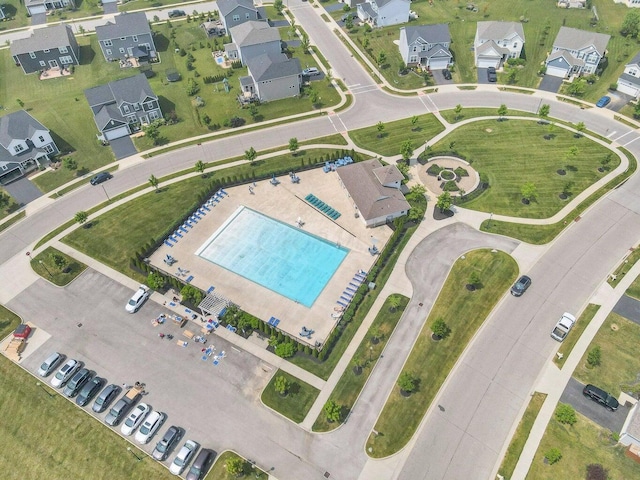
column 284, row 202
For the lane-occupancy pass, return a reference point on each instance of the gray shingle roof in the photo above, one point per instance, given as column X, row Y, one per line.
column 630, row 78
column 438, row 33
column 42, row 39
column 635, row 60
column 269, row 67
column 486, row 47
column 126, row 24
column 131, row 90
column 498, row 30
column 570, row 59
column 18, row 125
column 253, row 33
column 575, row 39
column 227, row 6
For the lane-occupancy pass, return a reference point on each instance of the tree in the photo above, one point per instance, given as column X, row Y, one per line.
column 416, row 193
column 474, row 279
column 191, row 293
column 253, row 111
column 285, row 350
column 5, row 200
column 502, row 111
column 250, row 155
column 58, row 260
column 458, row 111
column 70, row 163
column 414, row 123
column 394, row 302
column 155, row 281
column 356, row 360
column 152, row 132
column 382, row 58
column 380, row 128
column 281, row 385
column 20, row 102
column 416, row 213
column 292, row 29
column 577, row 87
column 199, row 167
column 407, row 382
column 605, row 161
column 154, row 182
column 594, row 357
column 406, row 150
column 279, row 6
column 314, row 97
column 333, row 411
column 631, row 24
column 512, row 77
column 581, row 127
column 375, row 334
column 595, row 471
column 444, row 201
column 572, row 153
column 348, row 23
column 293, row 145
column 529, row 191
column 553, row 455
column 235, row 466
column 566, row 414
column 365, row 43
column 543, row 113
column 566, row 189
column 440, row 328
column 81, row 217
column 304, row 43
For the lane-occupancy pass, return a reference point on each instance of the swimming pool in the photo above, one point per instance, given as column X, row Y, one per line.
column 282, row 258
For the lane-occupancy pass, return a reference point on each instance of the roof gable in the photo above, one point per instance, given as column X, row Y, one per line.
column 254, row 33
column 270, row 67
column 499, row 30
column 18, row 125
column 44, row 38
column 227, row 6
column 125, row 25
column 438, row 33
column 575, row 39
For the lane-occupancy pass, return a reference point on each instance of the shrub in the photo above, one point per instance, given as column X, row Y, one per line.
column 566, row 414
column 594, row 356
column 192, row 87
column 440, row 328
column 235, row 122
column 70, row 163
column 155, row 281
column 595, row 471
column 285, row 350
column 461, row 172
column 553, row 455
column 333, row 411
column 407, row 382
column 434, row 169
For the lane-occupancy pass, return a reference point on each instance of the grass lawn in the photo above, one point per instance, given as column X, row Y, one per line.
column 622, row 269
column 12, row 220
column 354, row 378
column 141, row 4
column 296, row 403
column 395, row 133
column 582, row 444
column 467, row 113
column 519, row 438
column 464, row 312
column 634, row 289
column 43, row 264
column 575, row 333
column 16, row 15
column 219, row 469
column 620, row 361
column 489, row 145
column 79, row 183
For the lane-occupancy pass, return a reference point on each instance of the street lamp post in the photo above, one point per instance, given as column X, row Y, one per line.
column 45, row 267
column 490, row 218
column 105, row 192
column 51, row 395
column 134, row 454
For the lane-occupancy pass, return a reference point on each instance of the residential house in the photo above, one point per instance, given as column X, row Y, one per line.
column 25, row 145
column 49, row 47
column 382, row 13
column 236, row 12
column 43, row 6
column 572, row 3
column 2, row 14
column 375, row 191
column 127, row 37
column 496, row 42
column 252, row 39
column 629, row 80
column 121, row 107
column 426, row 45
column 272, row 76
column 629, row 3
column 576, row 52
column 630, row 434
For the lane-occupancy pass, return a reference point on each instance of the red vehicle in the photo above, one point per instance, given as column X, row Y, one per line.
column 22, row 331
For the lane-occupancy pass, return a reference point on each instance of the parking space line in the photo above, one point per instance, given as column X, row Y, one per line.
column 612, row 133
column 623, row 135
column 630, row 142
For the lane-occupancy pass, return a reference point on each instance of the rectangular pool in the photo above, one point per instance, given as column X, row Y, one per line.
column 282, row 258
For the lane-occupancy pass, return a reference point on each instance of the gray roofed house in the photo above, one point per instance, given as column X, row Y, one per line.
column 629, row 80
column 51, row 47
column 576, row 52
column 272, row 76
column 128, row 37
column 236, row 12
column 252, row 39
column 426, row 45
column 375, row 190
column 2, row 14
column 43, row 6
column 122, row 106
column 383, row 13
column 496, row 42
column 630, row 434
column 25, row 145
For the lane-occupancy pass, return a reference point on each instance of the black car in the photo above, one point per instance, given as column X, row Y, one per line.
column 492, row 76
column 100, row 177
column 598, row 395
column 176, row 13
column 77, row 382
column 89, row 391
column 164, row 446
column 446, row 74
column 520, row 286
column 105, row 398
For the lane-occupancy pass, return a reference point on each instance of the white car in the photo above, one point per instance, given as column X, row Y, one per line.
column 65, row 373
column 310, row 72
column 49, row 364
column 135, row 418
column 138, row 299
column 184, row 456
column 150, row 426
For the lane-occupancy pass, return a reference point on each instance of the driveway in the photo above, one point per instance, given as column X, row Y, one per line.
column 23, row 191
column 438, row 77
column 629, row 308
column 550, row 83
column 618, row 100
column 334, row 8
column 123, row 147
column 278, row 23
column 482, row 76
column 39, row 19
column 110, row 7
column 592, row 410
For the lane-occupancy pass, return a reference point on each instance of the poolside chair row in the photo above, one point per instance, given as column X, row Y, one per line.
column 322, row 207
column 341, row 162
column 351, row 289
column 194, row 218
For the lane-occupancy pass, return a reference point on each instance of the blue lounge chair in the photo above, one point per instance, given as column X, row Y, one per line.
column 223, row 192
column 205, row 207
column 178, row 234
column 174, row 238
column 202, row 212
column 182, row 229
column 348, row 295
column 193, row 219
column 211, row 289
column 350, row 290
column 166, row 242
column 351, row 284
column 341, row 304
column 189, row 278
column 348, row 300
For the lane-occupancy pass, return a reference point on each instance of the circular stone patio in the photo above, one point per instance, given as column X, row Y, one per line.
column 435, row 183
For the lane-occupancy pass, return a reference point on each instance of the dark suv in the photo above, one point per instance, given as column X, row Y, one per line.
column 164, row 446
column 598, row 395
column 492, row 76
column 520, row 286
column 77, row 382
column 105, row 398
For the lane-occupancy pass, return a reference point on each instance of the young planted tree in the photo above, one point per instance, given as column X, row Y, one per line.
column 293, row 145
column 528, row 192
column 154, row 182
column 235, row 466
column 81, row 217
column 382, row 58
column 566, row 414
column 605, row 162
column 444, row 202
column 581, row 128
column 594, row 357
column 553, row 455
column 502, row 112
column 414, row 123
column 304, row 43
column 406, row 150
column 58, row 260
column 281, row 385
column 543, row 113
column 474, row 280
column 458, row 111
column 333, row 411
column 250, row 155
column 394, row 302
column 279, row 6
column 380, row 128
column 375, row 334
column 407, row 383
column 357, row 363
column 199, row 167
column 440, row 329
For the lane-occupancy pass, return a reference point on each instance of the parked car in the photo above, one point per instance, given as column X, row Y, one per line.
column 65, row 373
column 135, row 418
column 105, row 398
column 89, row 391
column 100, row 177
column 122, row 407
column 520, row 286
column 311, row 71
column 446, row 73
column 348, row 15
column 200, row 465
column 603, row 102
column 563, row 327
column 492, row 76
column 164, row 446
column 138, row 299
column 177, row 13
column 50, row 364
column 149, row 427
column 598, row 395
column 184, row 457
column 74, row 385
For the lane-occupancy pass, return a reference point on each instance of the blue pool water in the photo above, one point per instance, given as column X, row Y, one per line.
column 277, row 256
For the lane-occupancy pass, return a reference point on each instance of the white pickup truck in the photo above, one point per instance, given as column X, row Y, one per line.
column 563, row 327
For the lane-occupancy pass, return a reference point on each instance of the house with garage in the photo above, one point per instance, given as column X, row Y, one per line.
column 236, row 12
column 25, row 145
column 43, row 6
column 374, row 190
column 629, row 80
column 46, row 48
column 127, row 38
column 252, row 39
column 426, row 46
column 382, row 13
column 120, row 108
column 272, row 76
column 576, row 52
column 496, row 42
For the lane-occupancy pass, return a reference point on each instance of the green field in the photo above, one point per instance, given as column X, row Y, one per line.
column 219, row 470
column 43, row 264
column 296, row 403
column 464, row 312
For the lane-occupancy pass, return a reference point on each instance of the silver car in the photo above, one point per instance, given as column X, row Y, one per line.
column 50, row 364
column 65, row 373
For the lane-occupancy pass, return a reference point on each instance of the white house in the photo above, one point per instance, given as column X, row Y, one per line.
column 629, row 3
column 426, row 45
column 382, row 13
column 629, row 80
column 496, row 42
column 576, row 52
